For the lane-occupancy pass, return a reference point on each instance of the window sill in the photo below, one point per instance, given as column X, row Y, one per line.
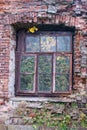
column 41, row 99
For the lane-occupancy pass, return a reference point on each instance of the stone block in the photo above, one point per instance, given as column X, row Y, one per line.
column 21, row 127
column 52, row 9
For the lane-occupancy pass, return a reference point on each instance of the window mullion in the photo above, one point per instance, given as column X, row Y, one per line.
column 54, row 66
column 36, row 73
column 70, row 72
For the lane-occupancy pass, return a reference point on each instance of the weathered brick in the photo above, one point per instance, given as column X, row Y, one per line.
column 38, row 12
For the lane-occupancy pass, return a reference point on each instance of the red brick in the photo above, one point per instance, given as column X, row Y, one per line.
column 14, row 11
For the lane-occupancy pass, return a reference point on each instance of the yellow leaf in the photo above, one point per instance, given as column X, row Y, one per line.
column 31, row 30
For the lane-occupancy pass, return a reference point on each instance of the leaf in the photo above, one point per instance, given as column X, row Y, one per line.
column 35, row 127
column 33, row 29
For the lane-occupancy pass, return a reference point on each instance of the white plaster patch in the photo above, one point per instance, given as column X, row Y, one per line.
column 12, row 69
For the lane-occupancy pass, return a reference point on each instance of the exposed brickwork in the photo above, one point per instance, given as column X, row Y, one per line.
column 26, row 12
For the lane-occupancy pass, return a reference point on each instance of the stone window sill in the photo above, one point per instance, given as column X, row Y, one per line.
column 16, row 100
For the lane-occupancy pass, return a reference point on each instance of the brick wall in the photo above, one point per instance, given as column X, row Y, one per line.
column 15, row 14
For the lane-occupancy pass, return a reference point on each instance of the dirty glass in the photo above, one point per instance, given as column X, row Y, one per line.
column 48, row 44
column 44, row 72
column 44, row 81
column 63, row 43
column 26, row 82
column 62, row 73
column 62, row 83
column 44, row 64
column 62, row 64
column 27, row 64
column 32, row 44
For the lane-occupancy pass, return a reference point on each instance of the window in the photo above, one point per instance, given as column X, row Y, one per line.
column 44, row 63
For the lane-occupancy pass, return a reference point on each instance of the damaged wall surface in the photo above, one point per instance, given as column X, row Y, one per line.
column 16, row 14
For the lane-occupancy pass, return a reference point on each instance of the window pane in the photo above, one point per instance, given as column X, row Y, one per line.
column 62, row 64
column 26, row 82
column 32, row 44
column 44, row 72
column 62, row 82
column 63, row 43
column 27, row 64
column 48, row 44
column 44, row 82
column 45, row 64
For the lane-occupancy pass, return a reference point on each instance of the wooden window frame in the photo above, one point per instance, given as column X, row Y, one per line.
column 21, row 51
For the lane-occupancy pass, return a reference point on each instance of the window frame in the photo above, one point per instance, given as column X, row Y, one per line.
column 21, row 51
